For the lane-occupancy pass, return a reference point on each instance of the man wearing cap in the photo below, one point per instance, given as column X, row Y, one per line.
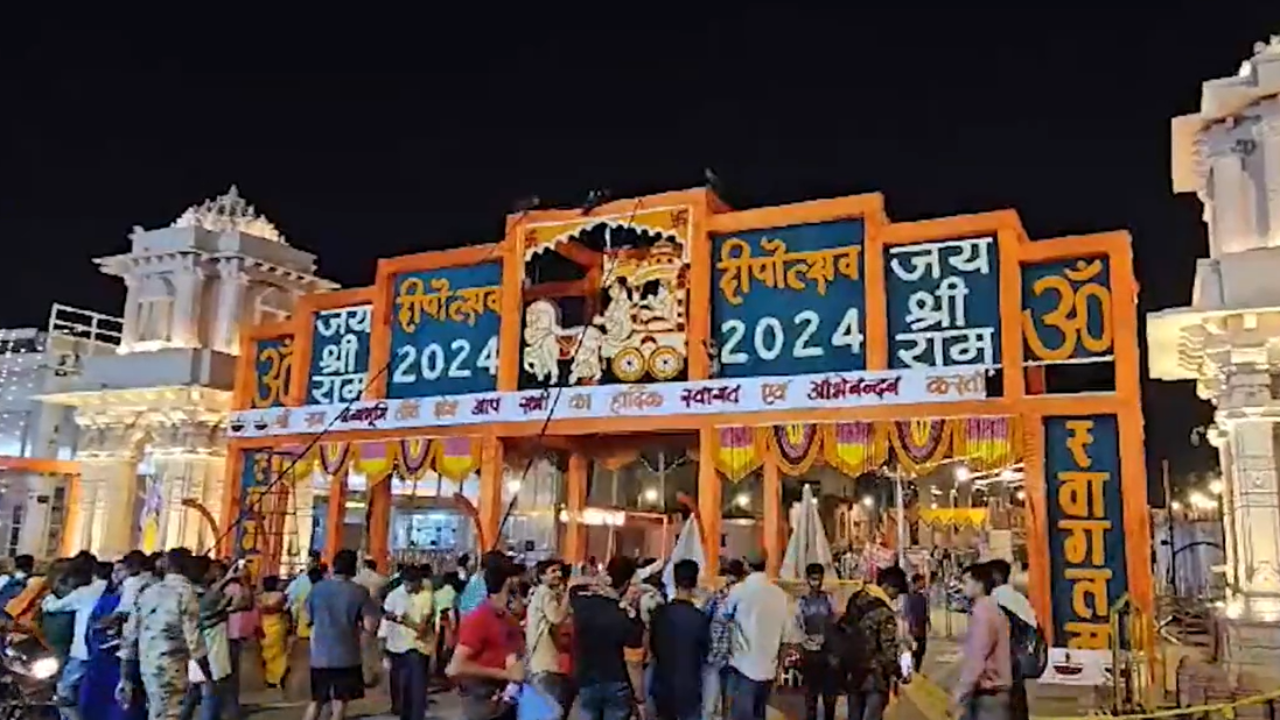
column 761, row 612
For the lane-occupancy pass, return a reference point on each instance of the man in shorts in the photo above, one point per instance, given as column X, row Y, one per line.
column 339, row 610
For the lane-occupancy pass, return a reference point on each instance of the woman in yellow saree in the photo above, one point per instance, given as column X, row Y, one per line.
column 275, row 633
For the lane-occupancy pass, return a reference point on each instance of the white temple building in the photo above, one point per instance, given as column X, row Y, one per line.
column 1228, row 338
column 151, row 415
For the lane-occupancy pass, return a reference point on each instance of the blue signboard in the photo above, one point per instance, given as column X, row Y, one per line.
column 1066, row 310
column 943, row 302
column 272, row 369
column 1086, row 528
column 790, row 300
column 444, row 331
column 339, row 355
column 255, row 478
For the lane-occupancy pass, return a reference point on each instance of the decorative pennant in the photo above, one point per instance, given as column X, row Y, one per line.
column 920, row 445
column 413, row 457
column 795, row 445
column 335, row 457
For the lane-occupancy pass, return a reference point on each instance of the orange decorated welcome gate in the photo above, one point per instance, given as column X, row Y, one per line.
column 732, row 354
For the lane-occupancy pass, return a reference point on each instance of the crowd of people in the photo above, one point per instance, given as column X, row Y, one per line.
column 163, row 636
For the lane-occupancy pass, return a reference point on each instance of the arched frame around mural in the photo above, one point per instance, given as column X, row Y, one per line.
column 455, row 344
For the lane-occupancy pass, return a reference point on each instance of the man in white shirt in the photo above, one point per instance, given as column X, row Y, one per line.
column 761, row 613
column 300, row 586
column 370, row 579
column 91, row 581
column 140, row 574
column 408, row 632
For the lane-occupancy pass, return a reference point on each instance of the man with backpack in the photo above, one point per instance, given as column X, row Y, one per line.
column 870, row 649
column 1026, row 641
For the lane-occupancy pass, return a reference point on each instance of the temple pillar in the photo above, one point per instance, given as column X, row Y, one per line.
column 1267, row 134
column 1225, row 339
column 233, row 287
column 132, row 304
column 110, row 531
column 188, row 292
column 35, row 524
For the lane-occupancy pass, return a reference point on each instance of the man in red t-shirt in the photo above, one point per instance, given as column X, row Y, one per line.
column 490, row 646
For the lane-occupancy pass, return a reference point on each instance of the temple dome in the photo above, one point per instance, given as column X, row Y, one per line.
column 229, row 212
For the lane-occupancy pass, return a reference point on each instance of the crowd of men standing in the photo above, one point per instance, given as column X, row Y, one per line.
column 162, row 636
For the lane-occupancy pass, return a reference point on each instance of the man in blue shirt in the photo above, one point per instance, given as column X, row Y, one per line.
column 339, row 609
column 680, row 637
column 916, row 609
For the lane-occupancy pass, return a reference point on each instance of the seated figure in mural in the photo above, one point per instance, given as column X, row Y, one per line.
column 616, row 320
column 659, row 312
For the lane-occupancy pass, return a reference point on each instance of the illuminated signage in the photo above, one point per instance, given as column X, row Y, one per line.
column 789, row 301
column 272, row 369
column 943, row 301
column 444, row 331
column 1066, row 310
column 339, row 355
column 1086, row 528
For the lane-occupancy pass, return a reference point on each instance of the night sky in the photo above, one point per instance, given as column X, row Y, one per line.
column 369, row 138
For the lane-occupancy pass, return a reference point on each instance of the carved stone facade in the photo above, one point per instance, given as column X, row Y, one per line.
column 152, row 416
column 1228, row 339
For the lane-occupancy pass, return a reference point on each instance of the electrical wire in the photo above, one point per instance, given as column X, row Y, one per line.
column 546, row 423
column 247, row 510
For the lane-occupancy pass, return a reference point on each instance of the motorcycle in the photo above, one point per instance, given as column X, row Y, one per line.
column 28, row 678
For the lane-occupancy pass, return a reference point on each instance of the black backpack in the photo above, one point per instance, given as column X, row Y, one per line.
column 1028, row 650
column 852, row 644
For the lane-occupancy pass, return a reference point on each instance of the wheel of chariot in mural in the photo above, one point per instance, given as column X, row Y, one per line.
column 811, row 380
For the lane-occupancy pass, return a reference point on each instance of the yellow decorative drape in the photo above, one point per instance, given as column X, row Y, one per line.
column 854, row 448
column 921, row 445
column 988, row 443
column 455, row 458
column 376, row 461
column 738, row 450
